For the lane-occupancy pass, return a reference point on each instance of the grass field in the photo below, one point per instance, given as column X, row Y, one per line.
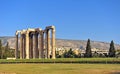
column 59, row 68
column 65, row 60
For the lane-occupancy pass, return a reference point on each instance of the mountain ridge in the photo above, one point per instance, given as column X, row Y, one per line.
column 65, row 43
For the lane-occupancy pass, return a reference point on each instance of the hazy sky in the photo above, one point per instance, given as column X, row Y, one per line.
column 98, row 20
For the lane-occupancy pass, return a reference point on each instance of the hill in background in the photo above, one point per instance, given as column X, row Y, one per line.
column 66, row 43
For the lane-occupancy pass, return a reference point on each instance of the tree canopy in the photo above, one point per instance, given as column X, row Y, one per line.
column 88, row 52
column 112, row 49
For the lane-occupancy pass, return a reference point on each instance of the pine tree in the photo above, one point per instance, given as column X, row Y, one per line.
column 112, row 49
column 88, row 52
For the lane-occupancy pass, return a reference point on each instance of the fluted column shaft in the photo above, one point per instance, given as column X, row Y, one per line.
column 37, row 51
column 53, row 43
column 48, row 44
column 27, row 45
column 31, row 46
column 34, row 45
column 23, row 39
column 16, row 49
column 41, row 52
column 39, row 47
column 21, row 47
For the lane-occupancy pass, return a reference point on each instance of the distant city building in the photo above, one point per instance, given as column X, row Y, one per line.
column 81, row 51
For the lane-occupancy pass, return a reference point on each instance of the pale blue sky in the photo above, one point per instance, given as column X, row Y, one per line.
column 98, row 20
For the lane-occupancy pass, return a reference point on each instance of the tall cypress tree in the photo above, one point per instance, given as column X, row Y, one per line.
column 112, row 49
column 88, row 52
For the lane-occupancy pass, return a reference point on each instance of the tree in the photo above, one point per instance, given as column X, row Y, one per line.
column 7, row 46
column 112, row 49
column 57, row 54
column 88, row 52
column 70, row 54
column 6, row 51
column 0, row 49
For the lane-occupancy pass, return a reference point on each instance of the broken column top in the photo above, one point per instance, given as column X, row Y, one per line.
column 34, row 29
column 50, row 27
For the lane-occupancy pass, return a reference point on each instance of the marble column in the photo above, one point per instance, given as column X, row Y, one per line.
column 37, row 51
column 53, row 43
column 23, row 39
column 31, row 45
column 27, row 45
column 41, row 52
column 16, row 49
column 21, row 47
column 34, row 46
column 48, row 44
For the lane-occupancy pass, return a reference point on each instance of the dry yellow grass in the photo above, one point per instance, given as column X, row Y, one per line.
column 60, row 68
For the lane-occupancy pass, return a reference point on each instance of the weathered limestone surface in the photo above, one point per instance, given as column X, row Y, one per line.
column 27, row 45
column 16, row 51
column 36, row 43
column 53, row 44
column 21, row 47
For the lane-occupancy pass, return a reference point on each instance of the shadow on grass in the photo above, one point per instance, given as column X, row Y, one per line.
column 115, row 73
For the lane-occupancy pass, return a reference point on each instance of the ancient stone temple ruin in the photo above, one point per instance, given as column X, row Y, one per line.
column 36, row 43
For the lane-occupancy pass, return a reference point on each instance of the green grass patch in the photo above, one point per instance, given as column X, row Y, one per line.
column 65, row 60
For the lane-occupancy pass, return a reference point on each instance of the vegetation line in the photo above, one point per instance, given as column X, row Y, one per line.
column 65, row 60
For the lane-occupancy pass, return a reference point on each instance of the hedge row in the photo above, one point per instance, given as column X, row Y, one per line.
column 64, row 60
